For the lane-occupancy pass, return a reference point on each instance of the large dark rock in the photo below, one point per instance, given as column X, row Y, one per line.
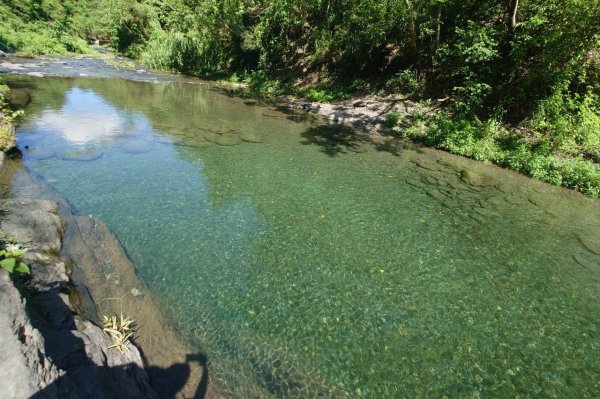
column 50, row 351
column 91, row 267
column 34, row 223
column 25, row 367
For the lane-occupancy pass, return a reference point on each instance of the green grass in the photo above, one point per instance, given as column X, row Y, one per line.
column 323, row 93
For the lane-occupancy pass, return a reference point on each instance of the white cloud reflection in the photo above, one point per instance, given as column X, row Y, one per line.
column 85, row 118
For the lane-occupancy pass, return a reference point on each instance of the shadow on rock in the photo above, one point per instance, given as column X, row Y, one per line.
column 90, row 370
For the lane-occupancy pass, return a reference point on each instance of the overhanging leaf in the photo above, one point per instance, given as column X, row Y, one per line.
column 8, row 264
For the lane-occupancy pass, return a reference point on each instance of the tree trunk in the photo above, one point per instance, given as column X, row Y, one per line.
column 438, row 30
column 512, row 12
column 413, row 29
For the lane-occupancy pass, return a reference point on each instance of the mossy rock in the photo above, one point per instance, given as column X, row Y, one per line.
column 475, row 179
column 7, row 134
column 228, row 140
column 19, row 97
column 252, row 138
column 25, row 54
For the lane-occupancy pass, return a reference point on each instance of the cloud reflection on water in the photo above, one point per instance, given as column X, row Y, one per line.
column 85, row 118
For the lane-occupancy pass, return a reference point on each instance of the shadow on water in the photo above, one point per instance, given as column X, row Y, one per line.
column 341, row 139
column 168, row 382
column 83, row 376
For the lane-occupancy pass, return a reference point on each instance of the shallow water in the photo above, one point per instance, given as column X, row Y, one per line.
column 309, row 263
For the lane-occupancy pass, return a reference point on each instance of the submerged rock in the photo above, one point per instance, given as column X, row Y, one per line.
column 589, row 242
column 427, row 164
column 137, row 146
column 92, row 242
column 436, row 194
column 209, row 136
column 475, row 179
column 83, row 155
column 252, row 137
column 19, row 97
column 587, row 260
column 201, row 144
column 39, row 153
column 228, row 140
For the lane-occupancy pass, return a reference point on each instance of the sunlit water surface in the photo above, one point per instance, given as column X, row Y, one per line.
column 307, row 263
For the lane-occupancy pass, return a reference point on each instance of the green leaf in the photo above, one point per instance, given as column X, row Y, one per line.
column 22, row 268
column 8, row 264
column 17, row 252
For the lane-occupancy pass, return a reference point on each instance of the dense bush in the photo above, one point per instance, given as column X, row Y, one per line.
column 39, row 27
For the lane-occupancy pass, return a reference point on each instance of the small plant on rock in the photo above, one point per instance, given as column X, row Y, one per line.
column 120, row 330
column 10, row 259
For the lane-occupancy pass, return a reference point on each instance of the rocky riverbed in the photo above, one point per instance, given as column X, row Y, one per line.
column 366, row 114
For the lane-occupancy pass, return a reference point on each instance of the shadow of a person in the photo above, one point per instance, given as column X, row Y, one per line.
column 168, row 382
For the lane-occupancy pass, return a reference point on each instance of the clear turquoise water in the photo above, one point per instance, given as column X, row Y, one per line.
column 313, row 264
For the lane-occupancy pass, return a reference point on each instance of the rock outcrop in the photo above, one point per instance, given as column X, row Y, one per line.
column 47, row 348
column 80, row 273
column 25, row 367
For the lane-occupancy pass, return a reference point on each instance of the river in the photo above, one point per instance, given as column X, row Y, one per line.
column 307, row 261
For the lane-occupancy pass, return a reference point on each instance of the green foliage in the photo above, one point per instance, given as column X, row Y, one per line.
column 10, row 259
column 569, row 123
column 323, row 93
column 490, row 142
column 391, row 120
column 404, row 82
column 260, row 83
column 39, row 28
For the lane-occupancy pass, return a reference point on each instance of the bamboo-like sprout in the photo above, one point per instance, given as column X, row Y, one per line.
column 120, row 330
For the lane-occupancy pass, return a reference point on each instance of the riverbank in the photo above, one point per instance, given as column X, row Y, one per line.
column 387, row 118
column 52, row 341
column 52, row 349
column 79, row 274
column 524, row 149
